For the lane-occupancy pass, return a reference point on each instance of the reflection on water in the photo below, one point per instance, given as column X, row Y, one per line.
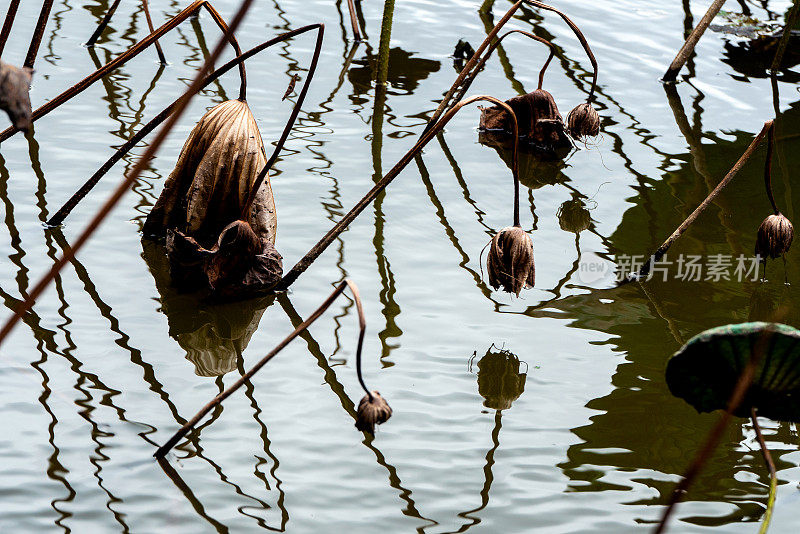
column 95, row 379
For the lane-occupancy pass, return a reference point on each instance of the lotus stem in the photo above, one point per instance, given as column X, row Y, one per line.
column 768, row 169
column 474, row 74
column 773, row 475
column 171, row 442
column 287, row 129
column 791, row 21
column 103, row 23
column 131, row 178
column 107, row 18
column 8, row 23
column 38, row 33
column 354, row 20
column 150, row 27
column 66, row 209
column 129, row 54
column 659, row 253
column 715, row 435
column 580, row 37
column 688, row 47
column 306, row 261
column 445, row 103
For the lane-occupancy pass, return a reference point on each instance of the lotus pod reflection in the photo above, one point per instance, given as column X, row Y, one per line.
column 500, row 382
column 573, row 216
column 583, row 121
column 510, row 261
column 774, row 236
column 372, row 410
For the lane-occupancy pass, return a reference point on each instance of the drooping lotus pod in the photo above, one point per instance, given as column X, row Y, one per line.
column 510, row 260
column 14, row 98
column 774, row 236
column 583, row 121
column 372, row 410
column 215, row 171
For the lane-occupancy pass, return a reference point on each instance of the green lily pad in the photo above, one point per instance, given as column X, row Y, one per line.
column 705, row 371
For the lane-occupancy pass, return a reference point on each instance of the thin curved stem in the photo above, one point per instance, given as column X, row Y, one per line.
column 306, row 261
column 791, row 20
column 216, row 401
column 773, row 475
column 131, row 178
column 445, row 103
column 84, row 190
column 362, row 325
column 768, row 168
column 289, row 123
column 474, row 74
column 580, row 37
column 126, row 56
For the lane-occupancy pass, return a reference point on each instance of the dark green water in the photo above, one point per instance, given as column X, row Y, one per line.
column 112, row 360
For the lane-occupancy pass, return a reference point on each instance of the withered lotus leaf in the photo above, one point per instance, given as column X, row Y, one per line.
column 239, row 263
column 215, row 171
column 510, row 261
column 14, row 94
column 537, row 117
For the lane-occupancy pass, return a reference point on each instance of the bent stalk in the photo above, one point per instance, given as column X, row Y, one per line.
column 84, row 190
column 112, row 201
column 474, row 74
column 216, row 401
column 107, row 18
column 659, row 253
column 130, row 54
column 306, row 261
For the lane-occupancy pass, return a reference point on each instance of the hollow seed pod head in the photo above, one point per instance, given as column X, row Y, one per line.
column 583, row 121
column 510, row 261
column 774, row 236
column 372, row 411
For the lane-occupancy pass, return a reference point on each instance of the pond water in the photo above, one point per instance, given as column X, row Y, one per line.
column 112, row 360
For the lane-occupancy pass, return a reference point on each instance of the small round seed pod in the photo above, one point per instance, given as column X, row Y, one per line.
column 573, row 216
column 583, row 121
column 372, row 410
column 774, row 236
column 510, row 261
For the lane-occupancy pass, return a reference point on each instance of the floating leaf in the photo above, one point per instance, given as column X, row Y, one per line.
column 705, row 371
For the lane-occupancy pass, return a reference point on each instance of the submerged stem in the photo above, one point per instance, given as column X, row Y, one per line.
column 773, row 475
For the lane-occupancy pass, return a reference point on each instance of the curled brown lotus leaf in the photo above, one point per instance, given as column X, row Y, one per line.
column 573, row 216
column 538, row 119
column 239, row 264
column 583, row 121
column 372, row 411
column 510, row 261
column 774, row 236
column 215, row 171
column 15, row 99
